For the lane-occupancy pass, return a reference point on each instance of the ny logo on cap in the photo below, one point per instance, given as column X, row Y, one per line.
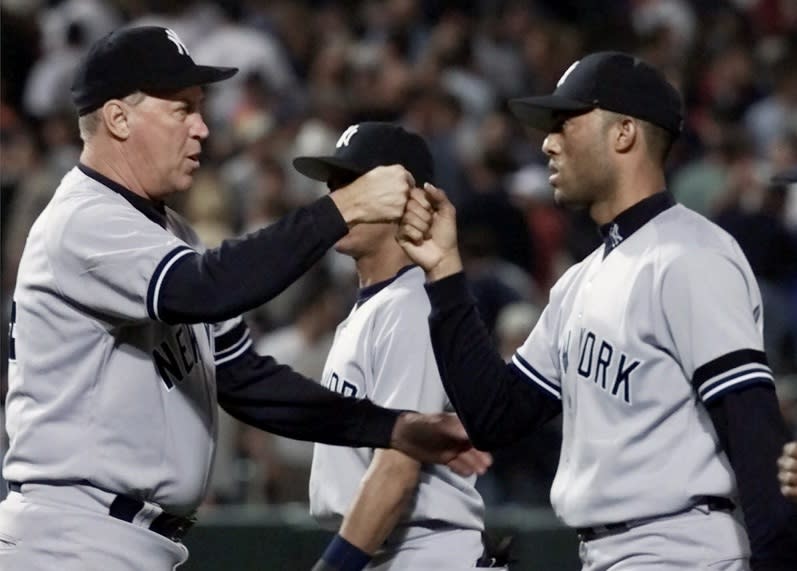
column 346, row 136
column 568, row 72
column 175, row 39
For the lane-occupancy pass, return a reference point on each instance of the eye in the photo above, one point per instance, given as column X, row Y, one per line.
column 559, row 125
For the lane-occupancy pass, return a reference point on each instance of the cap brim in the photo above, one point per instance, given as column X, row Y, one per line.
column 323, row 168
column 546, row 111
column 786, row 177
column 196, row 75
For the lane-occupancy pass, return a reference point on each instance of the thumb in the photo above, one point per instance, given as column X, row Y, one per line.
column 436, row 197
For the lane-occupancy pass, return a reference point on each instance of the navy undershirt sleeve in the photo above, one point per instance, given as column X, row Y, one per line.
column 244, row 273
column 259, row 391
column 496, row 404
column 752, row 433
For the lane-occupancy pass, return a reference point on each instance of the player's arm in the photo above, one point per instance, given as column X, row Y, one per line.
column 263, row 393
column 497, row 402
column 243, row 273
column 384, row 495
column 716, row 337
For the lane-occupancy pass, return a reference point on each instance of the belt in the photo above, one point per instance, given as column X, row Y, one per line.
column 713, row 503
column 142, row 514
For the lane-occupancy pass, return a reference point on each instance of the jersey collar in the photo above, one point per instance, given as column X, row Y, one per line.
column 370, row 291
column 632, row 219
column 155, row 211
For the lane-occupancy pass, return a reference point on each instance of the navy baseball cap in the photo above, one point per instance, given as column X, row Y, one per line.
column 367, row 145
column 613, row 81
column 144, row 58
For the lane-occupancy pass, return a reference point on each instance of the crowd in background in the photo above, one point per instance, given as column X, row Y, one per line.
column 444, row 69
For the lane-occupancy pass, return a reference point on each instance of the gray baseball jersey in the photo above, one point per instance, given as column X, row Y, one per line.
column 111, row 395
column 630, row 373
column 382, row 351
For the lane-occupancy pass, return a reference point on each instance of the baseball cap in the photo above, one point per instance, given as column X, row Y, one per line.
column 613, row 81
column 367, row 145
column 143, row 58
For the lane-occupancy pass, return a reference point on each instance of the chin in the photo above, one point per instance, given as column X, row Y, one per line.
column 568, row 201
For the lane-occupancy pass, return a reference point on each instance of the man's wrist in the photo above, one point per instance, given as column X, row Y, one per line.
column 448, row 265
column 340, row 555
column 346, row 202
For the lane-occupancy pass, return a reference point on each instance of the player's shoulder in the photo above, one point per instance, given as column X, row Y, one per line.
column 688, row 240
column 81, row 203
column 405, row 297
column 680, row 230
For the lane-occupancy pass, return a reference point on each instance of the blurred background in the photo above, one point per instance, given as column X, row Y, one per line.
column 444, row 69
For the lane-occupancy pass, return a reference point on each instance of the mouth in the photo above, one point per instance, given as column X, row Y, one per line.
column 194, row 158
column 554, row 173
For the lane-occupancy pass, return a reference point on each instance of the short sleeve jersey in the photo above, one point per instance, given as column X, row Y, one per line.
column 635, row 341
column 382, row 351
column 100, row 389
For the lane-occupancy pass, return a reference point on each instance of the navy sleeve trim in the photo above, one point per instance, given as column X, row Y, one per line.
column 232, row 344
column 529, row 373
column 731, row 372
column 156, row 281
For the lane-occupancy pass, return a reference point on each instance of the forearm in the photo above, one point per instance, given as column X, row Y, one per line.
column 244, row 273
column 752, row 432
column 495, row 406
column 260, row 392
column 382, row 499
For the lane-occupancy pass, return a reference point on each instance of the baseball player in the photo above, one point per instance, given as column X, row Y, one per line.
column 650, row 348
column 125, row 332
column 387, row 506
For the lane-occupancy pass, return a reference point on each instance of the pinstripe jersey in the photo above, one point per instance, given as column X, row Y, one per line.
column 100, row 389
column 382, row 351
column 636, row 339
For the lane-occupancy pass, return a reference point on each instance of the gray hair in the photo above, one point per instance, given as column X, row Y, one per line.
column 90, row 122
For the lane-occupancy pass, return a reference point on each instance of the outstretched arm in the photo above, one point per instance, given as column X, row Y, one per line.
column 259, row 391
column 497, row 403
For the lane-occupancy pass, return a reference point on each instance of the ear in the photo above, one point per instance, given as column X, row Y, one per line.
column 625, row 133
column 115, row 117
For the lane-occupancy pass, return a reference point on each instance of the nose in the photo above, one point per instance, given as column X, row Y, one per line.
column 199, row 129
column 550, row 145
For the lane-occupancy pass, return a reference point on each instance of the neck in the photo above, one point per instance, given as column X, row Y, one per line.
column 381, row 265
column 631, row 186
column 106, row 158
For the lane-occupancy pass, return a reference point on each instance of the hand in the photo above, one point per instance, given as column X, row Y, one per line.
column 471, row 462
column 379, row 195
column 428, row 232
column 433, row 438
column 787, row 470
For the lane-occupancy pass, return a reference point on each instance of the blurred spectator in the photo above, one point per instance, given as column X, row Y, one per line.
column 786, row 388
column 758, row 225
column 47, row 88
column 703, row 183
column 232, row 43
column 770, row 117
